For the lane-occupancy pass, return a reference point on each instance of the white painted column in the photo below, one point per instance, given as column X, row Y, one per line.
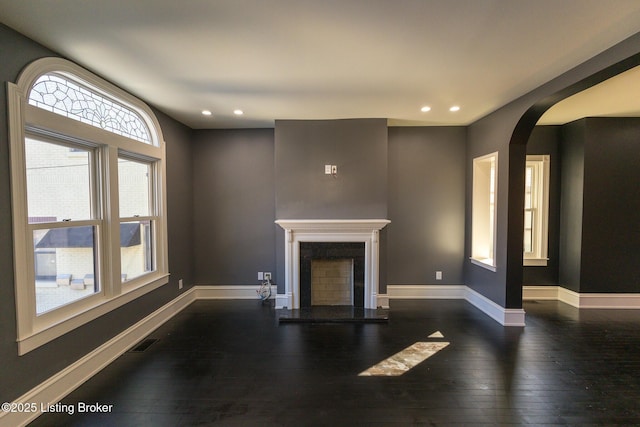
column 375, row 270
column 288, row 272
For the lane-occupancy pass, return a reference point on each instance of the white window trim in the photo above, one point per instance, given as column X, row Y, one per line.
column 34, row 331
column 539, row 257
column 483, row 250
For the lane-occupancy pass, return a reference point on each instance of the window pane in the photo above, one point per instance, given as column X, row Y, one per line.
column 65, row 266
column 134, row 184
column 58, row 182
column 528, row 189
column 528, row 231
column 54, row 93
column 136, row 249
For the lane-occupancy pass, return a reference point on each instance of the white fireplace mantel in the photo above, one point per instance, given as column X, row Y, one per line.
column 330, row 230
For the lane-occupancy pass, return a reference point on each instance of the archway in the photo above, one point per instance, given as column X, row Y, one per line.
column 517, row 159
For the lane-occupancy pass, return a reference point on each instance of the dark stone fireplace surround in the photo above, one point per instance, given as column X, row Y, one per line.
column 332, row 251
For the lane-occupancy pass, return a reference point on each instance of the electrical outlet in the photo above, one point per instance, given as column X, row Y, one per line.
column 180, row 284
column 334, row 169
column 267, row 276
column 327, row 169
column 438, row 275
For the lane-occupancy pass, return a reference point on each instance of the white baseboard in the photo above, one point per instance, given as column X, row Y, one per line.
column 231, row 292
column 383, row 301
column 426, row 291
column 284, row 301
column 568, row 296
column 540, row 293
column 64, row 382
column 582, row 300
column 504, row 316
column 611, row 301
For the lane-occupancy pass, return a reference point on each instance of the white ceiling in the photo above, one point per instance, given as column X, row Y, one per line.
column 617, row 97
column 326, row 59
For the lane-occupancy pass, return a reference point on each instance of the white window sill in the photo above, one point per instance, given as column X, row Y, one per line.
column 484, row 263
column 47, row 333
column 535, row 262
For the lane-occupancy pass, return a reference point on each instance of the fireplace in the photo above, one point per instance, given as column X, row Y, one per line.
column 331, row 234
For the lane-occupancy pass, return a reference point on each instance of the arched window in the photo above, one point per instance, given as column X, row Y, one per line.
column 71, row 99
column 88, row 196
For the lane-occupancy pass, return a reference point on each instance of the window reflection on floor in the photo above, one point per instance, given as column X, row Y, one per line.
column 406, row 359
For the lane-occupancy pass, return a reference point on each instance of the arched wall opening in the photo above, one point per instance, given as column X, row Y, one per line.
column 516, row 174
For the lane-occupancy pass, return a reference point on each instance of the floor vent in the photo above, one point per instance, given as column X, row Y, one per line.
column 143, row 345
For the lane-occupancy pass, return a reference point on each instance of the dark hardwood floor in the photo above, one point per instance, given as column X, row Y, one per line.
column 231, row 363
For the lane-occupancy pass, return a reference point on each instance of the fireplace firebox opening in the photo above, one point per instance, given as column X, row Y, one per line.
column 332, row 273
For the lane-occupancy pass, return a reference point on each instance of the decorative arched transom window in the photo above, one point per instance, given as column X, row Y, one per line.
column 88, row 198
column 71, row 99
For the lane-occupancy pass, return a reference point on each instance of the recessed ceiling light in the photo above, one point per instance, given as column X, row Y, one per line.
column 454, row 108
column 206, row 112
column 238, row 112
column 425, row 109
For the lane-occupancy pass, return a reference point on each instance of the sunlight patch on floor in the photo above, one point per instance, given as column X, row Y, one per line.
column 406, row 359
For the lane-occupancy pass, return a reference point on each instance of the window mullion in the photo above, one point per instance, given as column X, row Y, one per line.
column 158, row 205
column 139, row 218
column 111, row 255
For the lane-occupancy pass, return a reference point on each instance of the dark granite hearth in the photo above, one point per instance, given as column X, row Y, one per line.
column 333, row 314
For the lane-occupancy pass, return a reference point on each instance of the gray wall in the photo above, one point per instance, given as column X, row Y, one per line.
column 546, row 140
column 238, row 186
column 426, row 205
column 179, row 201
column 358, row 147
column 611, row 222
column 611, row 202
column 487, row 136
column 571, row 207
column 20, row 374
column 234, row 205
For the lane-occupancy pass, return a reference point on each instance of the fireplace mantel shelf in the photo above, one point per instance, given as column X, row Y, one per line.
column 333, row 225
